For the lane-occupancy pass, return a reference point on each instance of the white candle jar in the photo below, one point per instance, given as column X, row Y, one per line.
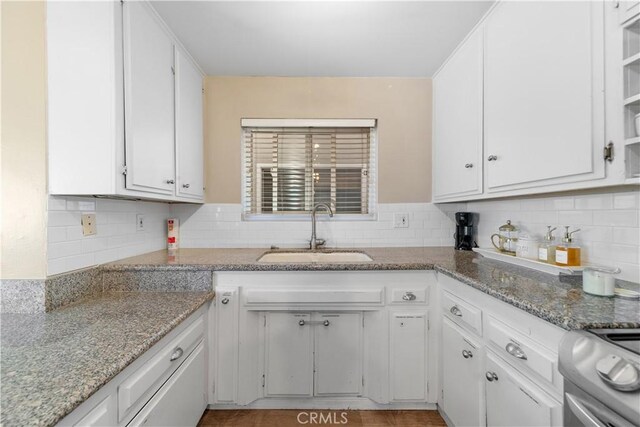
column 527, row 247
column 599, row 281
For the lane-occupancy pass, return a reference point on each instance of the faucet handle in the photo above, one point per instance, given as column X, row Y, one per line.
column 320, row 242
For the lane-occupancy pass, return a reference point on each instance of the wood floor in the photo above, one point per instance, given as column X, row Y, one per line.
column 317, row 417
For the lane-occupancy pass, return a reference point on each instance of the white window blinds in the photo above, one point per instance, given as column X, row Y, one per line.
column 287, row 170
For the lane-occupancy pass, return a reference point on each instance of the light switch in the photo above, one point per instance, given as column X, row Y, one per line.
column 139, row 222
column 89, row 227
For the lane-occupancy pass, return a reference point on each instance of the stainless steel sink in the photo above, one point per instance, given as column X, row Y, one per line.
column 315, row 257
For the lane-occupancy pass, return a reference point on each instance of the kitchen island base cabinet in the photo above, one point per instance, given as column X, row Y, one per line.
column 462, row 384
column 512, row 400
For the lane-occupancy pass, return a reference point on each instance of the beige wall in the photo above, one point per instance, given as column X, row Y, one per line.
column 401, row 105
column 23, row 155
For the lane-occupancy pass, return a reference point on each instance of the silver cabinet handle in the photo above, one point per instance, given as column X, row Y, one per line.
column 170, row 181
column 455, row 311
column 491, row 376
column 314, row 322
column 225, row 300
column 467, row 354
column 468, row 165
column 186, row 185
column 492, row 158
column 409, row 296
column 515, row 351
column 177, row 354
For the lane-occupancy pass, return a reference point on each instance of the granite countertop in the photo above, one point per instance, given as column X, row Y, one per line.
column 52, row 362
column 556, row 299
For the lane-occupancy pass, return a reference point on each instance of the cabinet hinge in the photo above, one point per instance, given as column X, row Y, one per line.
column 265, row 321
column 262, row 380
column 124, row 170
column 363, row 321
column 608, row 152
column 173, row 71
column 363, row 381
column 203, row 90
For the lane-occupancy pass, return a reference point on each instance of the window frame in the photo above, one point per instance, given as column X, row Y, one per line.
column 372, row 215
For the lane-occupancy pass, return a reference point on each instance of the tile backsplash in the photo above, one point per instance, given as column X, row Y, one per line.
column 609, row 223
column 116, row 236
column 221, row 226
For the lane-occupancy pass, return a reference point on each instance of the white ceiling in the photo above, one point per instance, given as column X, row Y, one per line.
column 332, row 38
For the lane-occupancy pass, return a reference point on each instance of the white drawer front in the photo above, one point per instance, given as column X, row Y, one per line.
column 158, row 368
column 522, row 351
column 261, row 297
column 462, row 312
column 407, row 295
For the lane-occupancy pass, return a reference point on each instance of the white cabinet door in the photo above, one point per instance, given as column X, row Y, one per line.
column 104, row 413
column 189, row 128
column 338, row 354
column 226, row 346
column 457, row 121
column 462, row 386
column 181, row 400
column 408, row 359
column 288, row 354
column 512, row 400
column 149, row 104
column 544, row 94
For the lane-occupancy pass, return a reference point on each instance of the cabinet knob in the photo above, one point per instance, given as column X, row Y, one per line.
column 455, row 311
column 468, row 165
column 170, row 181
column 409, row 296
column 492, row 158
column 225, row 300
column 467, row 354
column 301, row 323
column 326, row 323
column 515, row 351
column 177, row 354
column 186, row 185
column 491, row 376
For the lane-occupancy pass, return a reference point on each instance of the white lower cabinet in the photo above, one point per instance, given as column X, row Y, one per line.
column 462, row 384
column 104, row 414
column 288, row 355
column 497, row 362
column 512, row 400
column 181, row 400
column 313, row 354
column 302, row 339
column 408, row 333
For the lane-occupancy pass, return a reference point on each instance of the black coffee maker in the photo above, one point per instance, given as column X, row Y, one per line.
column 465, row 231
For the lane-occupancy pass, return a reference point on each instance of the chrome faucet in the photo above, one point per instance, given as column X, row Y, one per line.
column 315, row 243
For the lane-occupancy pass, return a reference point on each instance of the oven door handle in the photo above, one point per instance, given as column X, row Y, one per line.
column 585, row 416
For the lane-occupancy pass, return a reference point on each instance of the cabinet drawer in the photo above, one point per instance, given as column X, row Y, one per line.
column 462, row 312
column 262, row 297
column 520, row 350
column 409, row 296
column 144, row 382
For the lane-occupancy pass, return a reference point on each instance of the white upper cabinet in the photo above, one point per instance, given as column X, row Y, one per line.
column 457, row 97
column 519, row 107
column 115, row 120
column 149, row 104
column 544, row 102
column 189, row 127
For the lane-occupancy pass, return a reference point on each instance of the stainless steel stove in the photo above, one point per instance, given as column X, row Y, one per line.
column 601, row 370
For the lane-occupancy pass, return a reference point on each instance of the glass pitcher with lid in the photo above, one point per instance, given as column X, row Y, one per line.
column 507, row 238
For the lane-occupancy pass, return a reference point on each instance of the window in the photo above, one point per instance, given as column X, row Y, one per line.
column 290, row 165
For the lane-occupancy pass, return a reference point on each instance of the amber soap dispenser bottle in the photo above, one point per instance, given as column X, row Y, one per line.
column 568, row 253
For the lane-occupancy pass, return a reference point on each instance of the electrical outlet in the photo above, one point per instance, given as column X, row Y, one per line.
column 401, row 220
column 139, row 222
column 89, row 227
